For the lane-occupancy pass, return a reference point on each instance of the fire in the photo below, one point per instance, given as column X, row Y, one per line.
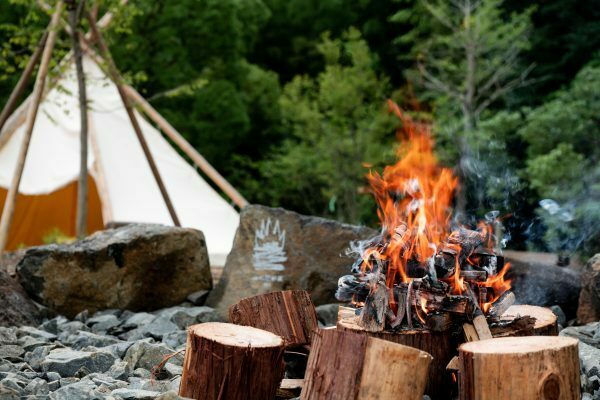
column 414, row 198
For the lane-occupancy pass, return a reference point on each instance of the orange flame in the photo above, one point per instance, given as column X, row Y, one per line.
column 414, row 198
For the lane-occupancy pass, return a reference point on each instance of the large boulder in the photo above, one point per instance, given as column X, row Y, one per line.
column 135, row 267
column 275, row 249
column 16, row 308
column 537, row 280
column 589, row 299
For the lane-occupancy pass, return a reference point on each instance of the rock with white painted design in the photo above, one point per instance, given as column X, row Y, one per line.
column 275, row 249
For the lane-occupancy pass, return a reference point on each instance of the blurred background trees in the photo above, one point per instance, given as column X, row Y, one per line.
column 287, row 98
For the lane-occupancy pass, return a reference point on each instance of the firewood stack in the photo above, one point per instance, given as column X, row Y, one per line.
column 463, row 281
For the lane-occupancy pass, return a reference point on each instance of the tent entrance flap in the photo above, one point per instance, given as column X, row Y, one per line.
column 37, row 216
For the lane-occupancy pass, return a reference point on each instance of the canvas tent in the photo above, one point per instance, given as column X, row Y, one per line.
column 122, row 187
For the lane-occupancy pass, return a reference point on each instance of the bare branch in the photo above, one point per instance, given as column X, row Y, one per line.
column 437, row 84
column 518, row 82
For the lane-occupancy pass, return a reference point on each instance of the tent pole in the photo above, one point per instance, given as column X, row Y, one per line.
column 38, row 90
column 187, row 148
column 118, row 80
column 10, row 105
column 82, row 187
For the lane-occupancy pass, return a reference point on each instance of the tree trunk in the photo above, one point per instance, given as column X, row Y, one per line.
column 82, row 187
column 350, row 366
column 226, row 361
column 520, row 368
column 441, row 345
column 289, row 314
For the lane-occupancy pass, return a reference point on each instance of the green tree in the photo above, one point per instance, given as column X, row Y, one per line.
column 337, row 123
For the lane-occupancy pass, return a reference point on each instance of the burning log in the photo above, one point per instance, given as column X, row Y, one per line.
column 226, row 361
column 289, row 314
column 548, row 368
column 501, row 305
column 346, row 365
column 441, row 345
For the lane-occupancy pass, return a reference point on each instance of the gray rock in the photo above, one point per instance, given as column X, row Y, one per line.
column 68, row 362
column 146, row 355
column 141, row 373
column 118, row 349
column 539, row 282
column 109, row 382
column 120, row 370
column 276, row 249
column 118, row 268
column 135, row 394
column 327, row 314
column 29, row 343
column 586, row 333
column 102, row 323
column 140, row 319
column 198, row 298
column 53, row 324
column 68, row 381
column 53, row 385
column 84, row 339
column 173, row 370
column 159, row 327
column 35, row 333
column 37, row 387
column 11, row 351
column 8, row 335
column 81, row 390
column 52, row 376
column 71, row 327
column 175, row 384
column 35, row 357
column 16, row 308
column 561, row 318
column 175, row 340
column 171, row 395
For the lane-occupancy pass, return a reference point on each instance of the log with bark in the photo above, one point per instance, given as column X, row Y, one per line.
column 544, row 324
column 519, row 368
column 441, row 345
column 289, row 314
column 227, row 361
column 348, row 365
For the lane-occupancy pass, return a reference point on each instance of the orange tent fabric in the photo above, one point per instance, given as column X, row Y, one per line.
column 37, row 216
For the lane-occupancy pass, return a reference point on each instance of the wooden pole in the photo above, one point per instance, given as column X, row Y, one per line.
column 11, row 103
column 351, row 366
column 289, row 314
column 118, row 80
column 38, row 90
column 520, row 368
column 82, row 187
column 226, row 361
column 187, row 148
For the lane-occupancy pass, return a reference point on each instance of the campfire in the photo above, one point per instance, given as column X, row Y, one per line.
column 420, row 272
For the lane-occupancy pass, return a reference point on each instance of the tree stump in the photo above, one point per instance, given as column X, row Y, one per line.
column 519, row 368
column 226, row 361
column 289, row 314
column 344, row 365
column 441, row 345
column 545, row 319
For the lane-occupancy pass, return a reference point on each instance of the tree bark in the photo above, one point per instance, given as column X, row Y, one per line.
column 441, row 345
column 352, row 366
column 82, row 187
column 545, row 320
column 520, row 368
column 226, row 361
column 289, row 314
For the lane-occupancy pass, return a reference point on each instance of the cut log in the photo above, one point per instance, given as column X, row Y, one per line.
column 289, row 314
column 502, row 304
column 545, row 320
column 290, row 388
column 519, row 368
column 441, row 345
column 348, row 365
column 226, row 361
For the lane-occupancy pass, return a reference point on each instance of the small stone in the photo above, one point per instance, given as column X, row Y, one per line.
column 67, row 362
column 52, row 325
column 82, row 316
column 175, row 339
column 118, row 349
column 159, row 327
column 37, row 387
column 109, row 382
column 72, row 327
column 146, row 355
column 173, row 370
column 135, row 394
column 52, row 376
column 81, row 390
column 119, row 370
column 53, row 385
column 141, row 373
column 11, row 352
column 103, row 323
column 171, row 395
column 68, row 381
column 34, row 358
column 30, row 343
column 198, row 298
column 84, row 339
column 36, row 333
column 8, row 335
column 561, row 318
column 140, row 319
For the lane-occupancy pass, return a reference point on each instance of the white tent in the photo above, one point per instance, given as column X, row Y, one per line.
column 123, row 183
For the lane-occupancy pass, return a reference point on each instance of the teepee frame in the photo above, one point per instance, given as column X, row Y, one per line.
column 129, row 97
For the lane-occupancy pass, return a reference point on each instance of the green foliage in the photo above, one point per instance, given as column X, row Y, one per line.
column 337, row 124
